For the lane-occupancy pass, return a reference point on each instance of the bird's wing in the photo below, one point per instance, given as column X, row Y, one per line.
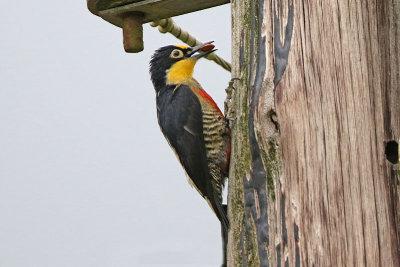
column 181, row 122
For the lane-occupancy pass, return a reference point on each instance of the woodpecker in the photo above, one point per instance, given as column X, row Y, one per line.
column 192, row 123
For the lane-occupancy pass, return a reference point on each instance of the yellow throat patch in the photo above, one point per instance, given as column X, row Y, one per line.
column 181, row 71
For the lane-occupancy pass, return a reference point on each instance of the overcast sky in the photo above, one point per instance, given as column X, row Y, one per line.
column 86, row 177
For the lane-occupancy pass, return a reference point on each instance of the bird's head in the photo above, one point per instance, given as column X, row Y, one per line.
column 174, row 64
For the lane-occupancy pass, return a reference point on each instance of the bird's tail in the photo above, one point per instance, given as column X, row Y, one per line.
column 224, row 234
column 221, row 211
column 222, row 214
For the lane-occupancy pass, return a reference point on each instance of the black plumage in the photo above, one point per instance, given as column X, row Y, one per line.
column 193, row 125
column 180, row 117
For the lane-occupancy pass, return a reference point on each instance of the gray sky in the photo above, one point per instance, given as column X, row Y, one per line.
column 86, row 177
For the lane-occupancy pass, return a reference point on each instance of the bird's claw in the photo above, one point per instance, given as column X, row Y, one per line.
column 228, row 104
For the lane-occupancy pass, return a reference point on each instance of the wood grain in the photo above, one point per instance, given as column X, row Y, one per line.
column 334, row 198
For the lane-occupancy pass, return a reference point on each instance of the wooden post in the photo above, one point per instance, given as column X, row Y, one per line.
column 317, row 101
column 132, row 28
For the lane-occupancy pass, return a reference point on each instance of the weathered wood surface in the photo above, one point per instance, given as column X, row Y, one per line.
column 113, row 10
column 329, row 197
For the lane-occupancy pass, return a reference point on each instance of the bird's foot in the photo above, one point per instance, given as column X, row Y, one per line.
column 228, row 104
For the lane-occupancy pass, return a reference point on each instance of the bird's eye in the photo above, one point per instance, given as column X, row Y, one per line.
column 177, row 53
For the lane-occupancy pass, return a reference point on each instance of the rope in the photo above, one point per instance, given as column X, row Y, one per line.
column 168, row 25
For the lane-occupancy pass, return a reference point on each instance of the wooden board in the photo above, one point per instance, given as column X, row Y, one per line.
column 113, row 10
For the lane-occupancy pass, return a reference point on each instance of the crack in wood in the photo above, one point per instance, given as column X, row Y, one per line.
column 281, row 52
column 297, row 249
column 283, row 221
column 278, row 255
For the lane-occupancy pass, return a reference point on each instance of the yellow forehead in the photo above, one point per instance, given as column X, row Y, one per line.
column 182, row 46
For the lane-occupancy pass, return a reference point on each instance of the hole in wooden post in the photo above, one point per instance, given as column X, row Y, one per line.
column 132, row 27
column 392, row 151
column 274, row 118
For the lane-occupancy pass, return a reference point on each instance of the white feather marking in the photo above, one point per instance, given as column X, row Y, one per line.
column 188, row 130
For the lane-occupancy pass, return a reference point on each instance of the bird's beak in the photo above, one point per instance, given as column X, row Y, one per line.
column 205, row 48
